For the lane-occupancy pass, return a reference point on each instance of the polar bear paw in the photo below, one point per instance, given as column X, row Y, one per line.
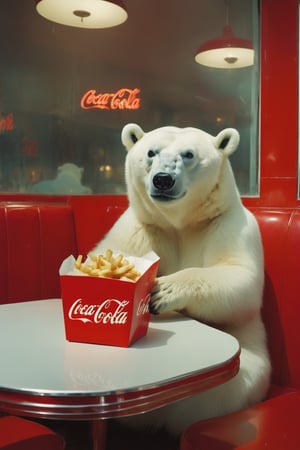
column 165, row 296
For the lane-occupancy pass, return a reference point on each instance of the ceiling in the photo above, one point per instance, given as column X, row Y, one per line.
column 153, row 50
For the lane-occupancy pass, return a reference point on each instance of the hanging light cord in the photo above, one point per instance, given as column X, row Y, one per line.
column 226, row 2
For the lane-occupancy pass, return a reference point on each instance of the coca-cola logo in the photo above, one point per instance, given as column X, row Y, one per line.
column 124, row 98
column 143, row 307
column 111, row 311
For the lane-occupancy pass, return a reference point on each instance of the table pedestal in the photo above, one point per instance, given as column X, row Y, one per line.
column 99, row 428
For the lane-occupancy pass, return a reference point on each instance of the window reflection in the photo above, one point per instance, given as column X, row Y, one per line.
column 47, row 68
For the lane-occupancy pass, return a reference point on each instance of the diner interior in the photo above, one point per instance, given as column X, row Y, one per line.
column 61, row 92
column 47, row 68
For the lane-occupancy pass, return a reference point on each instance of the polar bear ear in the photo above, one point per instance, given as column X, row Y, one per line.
column 131, row 133
column 227, row 140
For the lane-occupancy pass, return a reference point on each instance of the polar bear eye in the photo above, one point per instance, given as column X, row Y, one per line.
column 151, row 153
column 188, row 154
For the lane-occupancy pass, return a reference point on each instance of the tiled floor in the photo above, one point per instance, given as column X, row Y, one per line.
column 78, row 437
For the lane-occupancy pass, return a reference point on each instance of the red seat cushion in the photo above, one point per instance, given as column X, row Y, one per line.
column 273, row 424
column 20, row 434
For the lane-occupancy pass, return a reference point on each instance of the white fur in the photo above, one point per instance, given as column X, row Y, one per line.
column 67, row 181
column 211, row 255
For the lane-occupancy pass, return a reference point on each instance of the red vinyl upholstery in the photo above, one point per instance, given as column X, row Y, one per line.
column 94, row 216
column 281, row 309
column 19, row 434
column 34, row 239
column 270, row 425
column 274, row 422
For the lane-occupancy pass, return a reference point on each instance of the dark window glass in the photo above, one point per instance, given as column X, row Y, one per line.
column 46, row 68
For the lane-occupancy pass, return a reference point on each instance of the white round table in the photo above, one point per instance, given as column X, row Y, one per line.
column 44, row 375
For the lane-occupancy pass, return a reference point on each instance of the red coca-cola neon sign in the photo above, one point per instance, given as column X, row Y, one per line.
column 7, row 123
column 124, row 98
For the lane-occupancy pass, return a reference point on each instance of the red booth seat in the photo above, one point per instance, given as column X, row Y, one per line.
column 34, row 240
column 36, row 237
column 272, row 424
column 20, row 434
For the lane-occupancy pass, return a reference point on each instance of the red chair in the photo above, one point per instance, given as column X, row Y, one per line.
column 274, row 423
column 19, row 434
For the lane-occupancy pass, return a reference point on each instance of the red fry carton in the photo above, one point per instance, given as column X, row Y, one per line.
column 107, row 311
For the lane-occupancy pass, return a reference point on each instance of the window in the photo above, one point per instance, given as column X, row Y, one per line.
column 55, row 117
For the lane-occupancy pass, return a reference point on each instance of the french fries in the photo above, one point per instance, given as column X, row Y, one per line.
column 108, row 266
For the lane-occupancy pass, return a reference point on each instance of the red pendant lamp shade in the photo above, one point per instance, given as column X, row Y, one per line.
column 226, row 52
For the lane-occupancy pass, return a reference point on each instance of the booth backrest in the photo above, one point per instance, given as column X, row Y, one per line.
column 35, row 238
column 280, row 231
column 94, row 216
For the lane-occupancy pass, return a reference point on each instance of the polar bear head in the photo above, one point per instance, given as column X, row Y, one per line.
column 70, row 169
column 177, row 173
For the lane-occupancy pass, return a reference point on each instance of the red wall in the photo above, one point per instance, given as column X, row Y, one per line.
column 279, row 105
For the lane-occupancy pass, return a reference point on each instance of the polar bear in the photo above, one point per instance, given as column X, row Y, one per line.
column 185, row 206
column 67, row 181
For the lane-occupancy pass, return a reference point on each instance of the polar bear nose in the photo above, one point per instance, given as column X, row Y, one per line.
column 163, row 181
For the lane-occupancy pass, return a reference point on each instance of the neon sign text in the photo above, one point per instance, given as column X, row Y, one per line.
column 7, row 123
column 122, row 99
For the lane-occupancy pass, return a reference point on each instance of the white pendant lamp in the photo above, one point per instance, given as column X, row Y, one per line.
column 226, row 51
column 83, row 13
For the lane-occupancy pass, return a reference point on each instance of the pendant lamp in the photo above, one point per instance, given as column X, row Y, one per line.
column 226, row 51
column 83, row 13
